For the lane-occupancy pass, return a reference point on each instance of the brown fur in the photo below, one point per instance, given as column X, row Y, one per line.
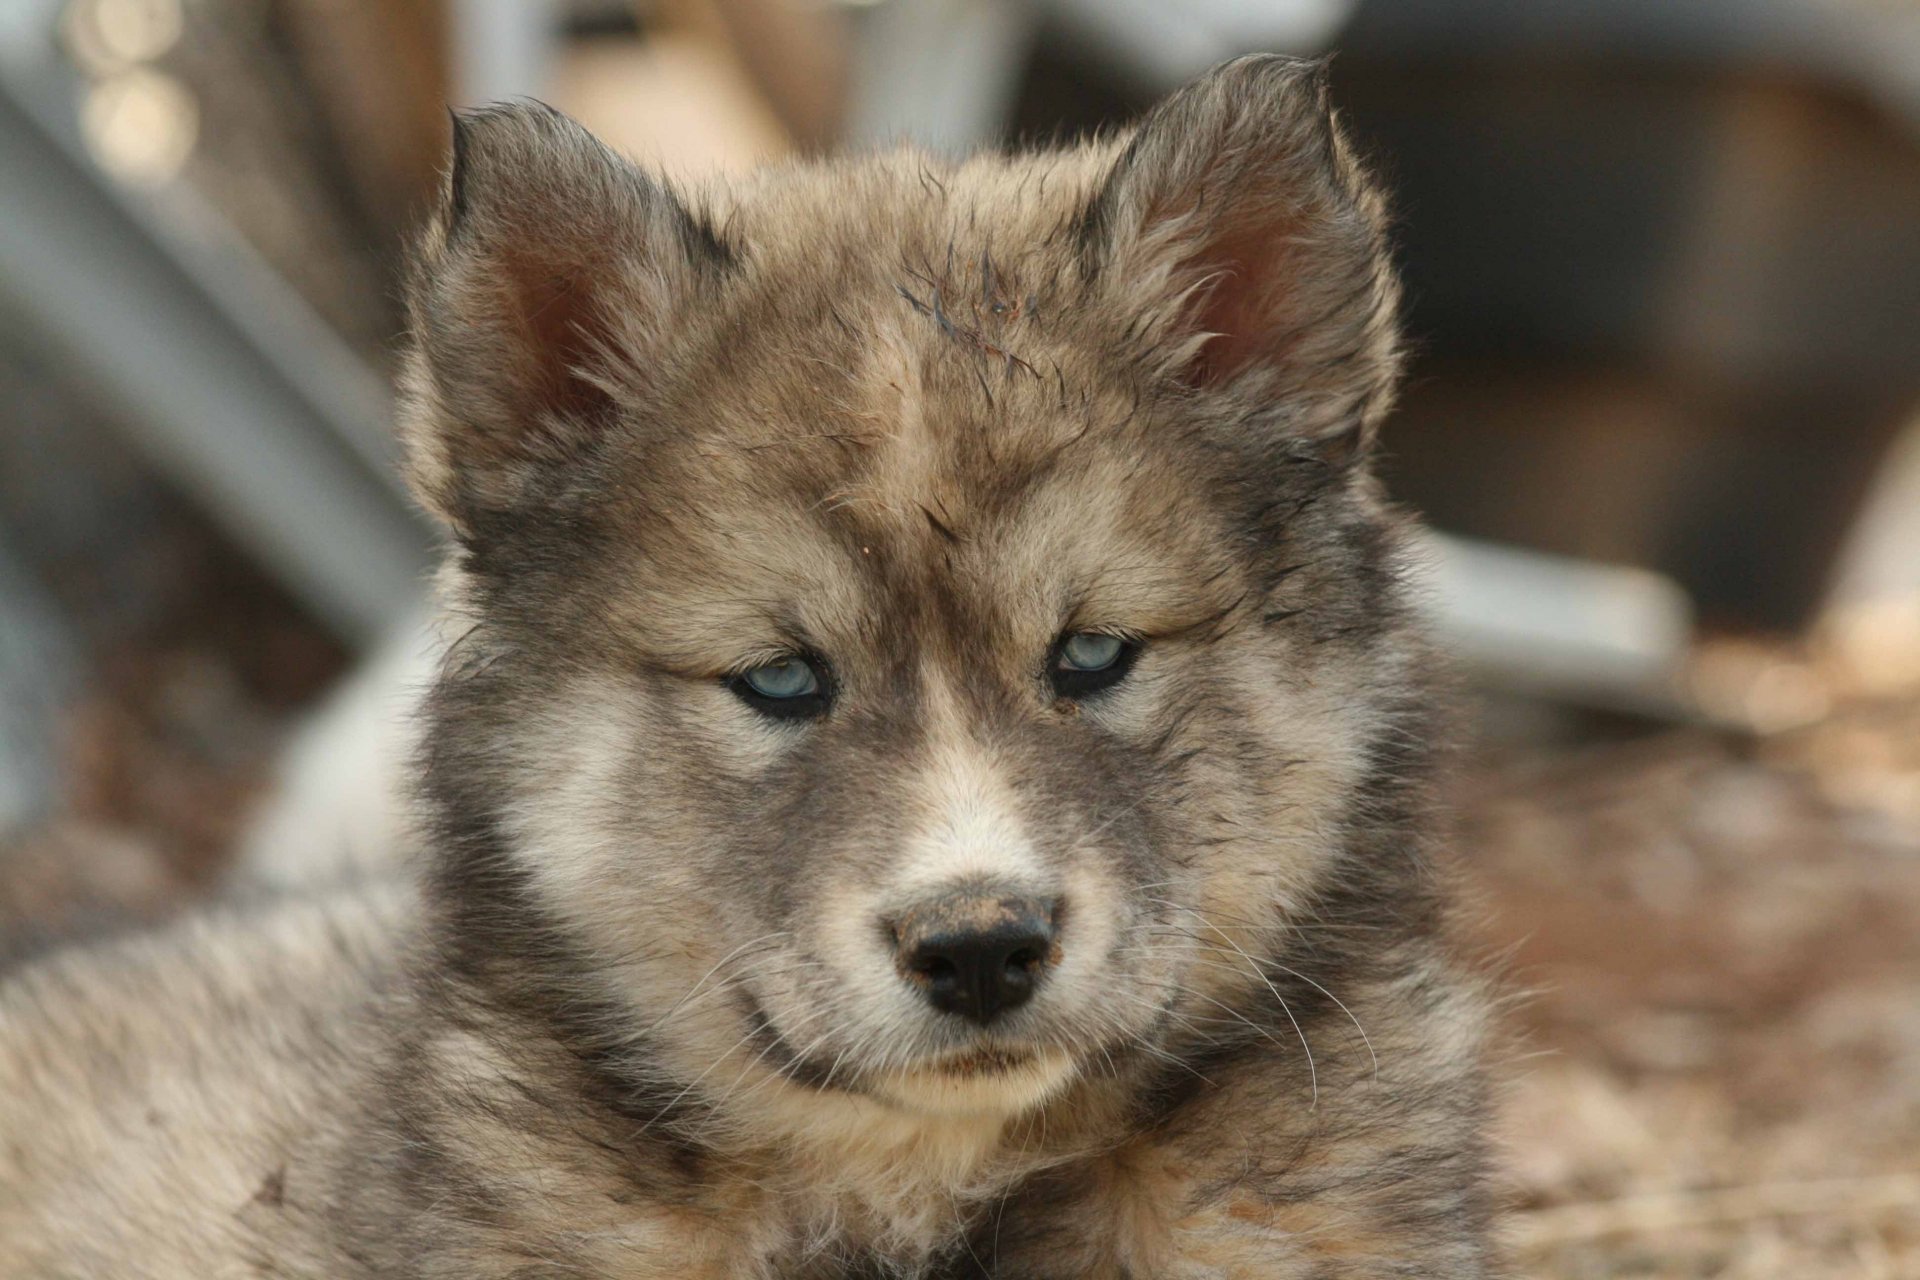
column 917, row 419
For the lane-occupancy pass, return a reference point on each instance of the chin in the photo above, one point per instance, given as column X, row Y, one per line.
column 990, row 1080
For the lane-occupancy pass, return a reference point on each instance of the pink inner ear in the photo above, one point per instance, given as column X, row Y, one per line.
column 563, row 331
column 1244, row 306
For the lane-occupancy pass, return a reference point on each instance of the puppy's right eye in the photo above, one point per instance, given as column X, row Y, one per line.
column 789, row 688
column 1088, row 662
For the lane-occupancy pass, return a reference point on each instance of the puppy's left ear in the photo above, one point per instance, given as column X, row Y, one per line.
column 1244, row 252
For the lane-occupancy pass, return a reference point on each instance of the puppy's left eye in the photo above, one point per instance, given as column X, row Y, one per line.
column 790, row 688
column 1087, row 662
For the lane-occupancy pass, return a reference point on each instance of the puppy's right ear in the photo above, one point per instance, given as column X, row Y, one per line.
column 539, row 307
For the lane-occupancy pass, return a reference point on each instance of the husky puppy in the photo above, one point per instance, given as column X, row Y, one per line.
column 933, row 779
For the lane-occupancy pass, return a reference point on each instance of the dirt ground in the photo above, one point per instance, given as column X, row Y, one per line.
column 1719, row 939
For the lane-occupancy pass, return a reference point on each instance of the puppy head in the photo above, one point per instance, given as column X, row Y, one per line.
column 924, row 614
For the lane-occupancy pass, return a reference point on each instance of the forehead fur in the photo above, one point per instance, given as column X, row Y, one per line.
column 905, row 374
column 893, row 321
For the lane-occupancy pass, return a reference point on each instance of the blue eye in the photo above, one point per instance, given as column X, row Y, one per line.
column 1086, row 651
column 787, row 678
column 787, row 688
column 1087, row 662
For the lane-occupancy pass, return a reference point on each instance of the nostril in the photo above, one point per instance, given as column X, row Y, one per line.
column 1016, row 981
column 937, row 970
column 1025, row 960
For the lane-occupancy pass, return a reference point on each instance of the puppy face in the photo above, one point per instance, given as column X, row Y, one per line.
column 923, row 614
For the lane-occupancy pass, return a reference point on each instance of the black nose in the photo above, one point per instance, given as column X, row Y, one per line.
column 976, row 955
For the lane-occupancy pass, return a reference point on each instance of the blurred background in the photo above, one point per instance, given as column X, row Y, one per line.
column 1663, row 259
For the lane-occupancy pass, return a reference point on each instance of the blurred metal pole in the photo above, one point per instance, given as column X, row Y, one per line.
column 1161, row 44
column 37, row 669
column 502, row 49
column 213, row 367
column 941, row 73
column 1572, row 630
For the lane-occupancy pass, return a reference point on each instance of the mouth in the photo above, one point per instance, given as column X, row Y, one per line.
column 986, row 1075
column 987, row 1060
column 976, row 1062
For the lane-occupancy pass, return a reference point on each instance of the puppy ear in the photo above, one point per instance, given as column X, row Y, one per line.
column 539, row 304
column 1246, row 253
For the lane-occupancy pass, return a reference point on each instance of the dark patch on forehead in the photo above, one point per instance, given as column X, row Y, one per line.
column 989, row 316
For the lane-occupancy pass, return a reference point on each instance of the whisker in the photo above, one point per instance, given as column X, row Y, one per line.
column 717, row 966
column 1313, row 1072
column 1338, row 1002
column 1364, row 1037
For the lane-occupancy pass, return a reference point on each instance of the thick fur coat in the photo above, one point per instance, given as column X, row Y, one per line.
column 907, row 434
